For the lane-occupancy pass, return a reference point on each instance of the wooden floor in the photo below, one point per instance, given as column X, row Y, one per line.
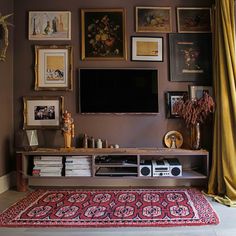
column 227, row 226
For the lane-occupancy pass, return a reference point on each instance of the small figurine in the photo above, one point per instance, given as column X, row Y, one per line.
column 68, row 128
column 173, row 141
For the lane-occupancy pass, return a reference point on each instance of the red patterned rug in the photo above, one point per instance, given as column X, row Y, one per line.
column 110, row 208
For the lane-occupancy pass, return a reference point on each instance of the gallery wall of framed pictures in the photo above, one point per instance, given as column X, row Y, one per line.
column 176, row 35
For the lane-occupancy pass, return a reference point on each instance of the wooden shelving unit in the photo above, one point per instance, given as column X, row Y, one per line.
column 123, row 163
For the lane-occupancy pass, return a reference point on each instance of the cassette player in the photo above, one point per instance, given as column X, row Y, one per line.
column 166, row 167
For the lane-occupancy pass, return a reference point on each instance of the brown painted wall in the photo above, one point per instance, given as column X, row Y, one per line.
column 126, row 130
column 6, row 97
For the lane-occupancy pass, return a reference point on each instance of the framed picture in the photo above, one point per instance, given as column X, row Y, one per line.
column 53, row 67
column 43, row 112
column 194, row 19
column 190, row 57
column 49, row 25
column 196, row 92
column 147, row 48
column 153, row 19
column 103, row 34
column 171, row 98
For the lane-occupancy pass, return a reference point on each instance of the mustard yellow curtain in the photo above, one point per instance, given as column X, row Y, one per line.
column 222, row 182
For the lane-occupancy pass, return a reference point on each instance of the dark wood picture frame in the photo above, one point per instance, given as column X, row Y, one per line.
column 103, row 34
column 171, row 97
column 190, row 57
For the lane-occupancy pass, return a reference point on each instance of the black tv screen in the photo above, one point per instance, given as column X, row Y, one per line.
column 118, row 90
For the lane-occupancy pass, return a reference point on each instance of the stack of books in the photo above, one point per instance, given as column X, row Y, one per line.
column 78, row 166
column 47, row 166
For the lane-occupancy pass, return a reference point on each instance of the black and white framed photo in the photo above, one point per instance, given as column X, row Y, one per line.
column 190, row 57
column 171, row 98
column 43, row 112
column 146, row 48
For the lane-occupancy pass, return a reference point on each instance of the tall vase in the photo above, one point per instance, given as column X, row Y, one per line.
column 195, row 136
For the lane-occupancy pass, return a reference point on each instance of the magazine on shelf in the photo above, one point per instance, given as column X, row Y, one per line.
column 47, row 168
column 44, row 162
column 76, row 166
column 48, row 158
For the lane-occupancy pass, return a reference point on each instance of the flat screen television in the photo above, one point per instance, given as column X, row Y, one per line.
column 130, row 90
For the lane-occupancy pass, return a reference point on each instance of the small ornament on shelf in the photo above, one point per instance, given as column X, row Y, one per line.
column 68, row 129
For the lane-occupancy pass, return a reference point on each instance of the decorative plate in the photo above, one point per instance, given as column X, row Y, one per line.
column 173, row 139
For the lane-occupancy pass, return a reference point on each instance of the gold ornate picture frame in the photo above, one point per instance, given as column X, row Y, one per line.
column 53, row 67
column 103, row 34
column 43, row 112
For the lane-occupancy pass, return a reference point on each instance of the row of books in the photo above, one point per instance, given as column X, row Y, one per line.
column 78, row 166
column 47, row 166
column 53, row 166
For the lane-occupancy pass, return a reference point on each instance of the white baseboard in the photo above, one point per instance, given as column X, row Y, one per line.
column 7, row 181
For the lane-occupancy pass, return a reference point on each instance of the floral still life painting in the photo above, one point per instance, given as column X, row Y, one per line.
column 103, row 34
column 49, row 25
column 190, row 57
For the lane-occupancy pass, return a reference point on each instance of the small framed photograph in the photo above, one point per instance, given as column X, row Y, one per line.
column 146, row 48
column 53, row 68
column 196, row 92
column 194, row 19
column 171, row 98
column 103, row 34
column 153, row 19
column 43, row 112
column 190, row 57
column 49, row 25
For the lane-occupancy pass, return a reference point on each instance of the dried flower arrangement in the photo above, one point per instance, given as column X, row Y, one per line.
column 195, row 111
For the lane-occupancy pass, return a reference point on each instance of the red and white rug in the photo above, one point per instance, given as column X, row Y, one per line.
column 110, row 208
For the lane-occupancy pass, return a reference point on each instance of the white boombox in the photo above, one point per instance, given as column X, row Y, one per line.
column 145, row 168
column 166, row 167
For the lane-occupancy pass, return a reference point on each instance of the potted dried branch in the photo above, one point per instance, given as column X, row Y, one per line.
column 194, row 112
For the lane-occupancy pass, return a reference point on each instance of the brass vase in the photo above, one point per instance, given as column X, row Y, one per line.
column 195, row 136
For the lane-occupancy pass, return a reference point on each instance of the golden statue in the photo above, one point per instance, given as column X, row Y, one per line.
column 68, row 128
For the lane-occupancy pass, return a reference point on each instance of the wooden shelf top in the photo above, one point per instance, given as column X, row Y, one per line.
column 113, row 151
